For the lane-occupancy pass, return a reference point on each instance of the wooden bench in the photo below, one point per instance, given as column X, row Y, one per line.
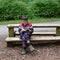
column 55, row 36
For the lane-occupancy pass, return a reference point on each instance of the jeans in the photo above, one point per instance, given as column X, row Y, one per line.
column 24, row 37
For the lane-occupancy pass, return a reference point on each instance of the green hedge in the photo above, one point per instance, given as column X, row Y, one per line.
column 14, row 9
column 47, row 8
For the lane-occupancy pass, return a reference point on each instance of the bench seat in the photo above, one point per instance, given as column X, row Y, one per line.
column 34, row 39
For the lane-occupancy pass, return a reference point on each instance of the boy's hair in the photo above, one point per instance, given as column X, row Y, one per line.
column 24, row 18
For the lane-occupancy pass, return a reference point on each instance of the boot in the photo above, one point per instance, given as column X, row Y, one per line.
column 23, row 52
column 31, row 48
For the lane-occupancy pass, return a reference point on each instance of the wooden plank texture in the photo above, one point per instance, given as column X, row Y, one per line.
column 37, row 25
column 34, row 38
column 37, row 33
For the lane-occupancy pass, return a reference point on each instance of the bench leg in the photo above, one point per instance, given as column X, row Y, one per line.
column 9, row 44
column 11, row 31
column 58, row 31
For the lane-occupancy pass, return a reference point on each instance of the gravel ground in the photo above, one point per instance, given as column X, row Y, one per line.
column 43, row 51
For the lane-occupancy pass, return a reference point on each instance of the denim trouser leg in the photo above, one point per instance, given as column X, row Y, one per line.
column 24, row 43
column 24, row 38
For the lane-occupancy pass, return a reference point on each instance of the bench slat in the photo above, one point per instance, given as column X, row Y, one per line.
column 37, row 33
column 38, row 25
column 34, row 38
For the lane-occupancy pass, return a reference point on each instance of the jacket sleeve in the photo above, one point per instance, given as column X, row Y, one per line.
column 19, row 30
column 31, row 28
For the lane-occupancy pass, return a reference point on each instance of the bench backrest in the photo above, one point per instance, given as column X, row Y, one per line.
column 37, row 25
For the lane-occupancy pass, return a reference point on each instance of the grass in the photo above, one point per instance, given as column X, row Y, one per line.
column 35, row 20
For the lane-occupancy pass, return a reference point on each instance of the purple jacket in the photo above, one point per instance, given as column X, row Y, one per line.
column 29, row 25
column 25, row 35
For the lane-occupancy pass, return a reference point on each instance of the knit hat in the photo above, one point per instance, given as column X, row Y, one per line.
column 24, row 18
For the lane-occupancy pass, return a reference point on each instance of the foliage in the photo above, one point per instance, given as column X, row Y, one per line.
column 14, row 9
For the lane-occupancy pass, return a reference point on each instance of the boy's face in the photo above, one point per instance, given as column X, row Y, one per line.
column 24, row 21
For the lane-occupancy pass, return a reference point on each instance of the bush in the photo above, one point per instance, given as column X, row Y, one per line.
column 14, row 9
column 47, row 8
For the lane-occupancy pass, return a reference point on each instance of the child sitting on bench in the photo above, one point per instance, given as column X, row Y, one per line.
column 26, row 30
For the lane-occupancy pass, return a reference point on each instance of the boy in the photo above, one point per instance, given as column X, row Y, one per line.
column 25, row 30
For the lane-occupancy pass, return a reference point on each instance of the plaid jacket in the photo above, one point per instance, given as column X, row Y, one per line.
column 29, row 25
